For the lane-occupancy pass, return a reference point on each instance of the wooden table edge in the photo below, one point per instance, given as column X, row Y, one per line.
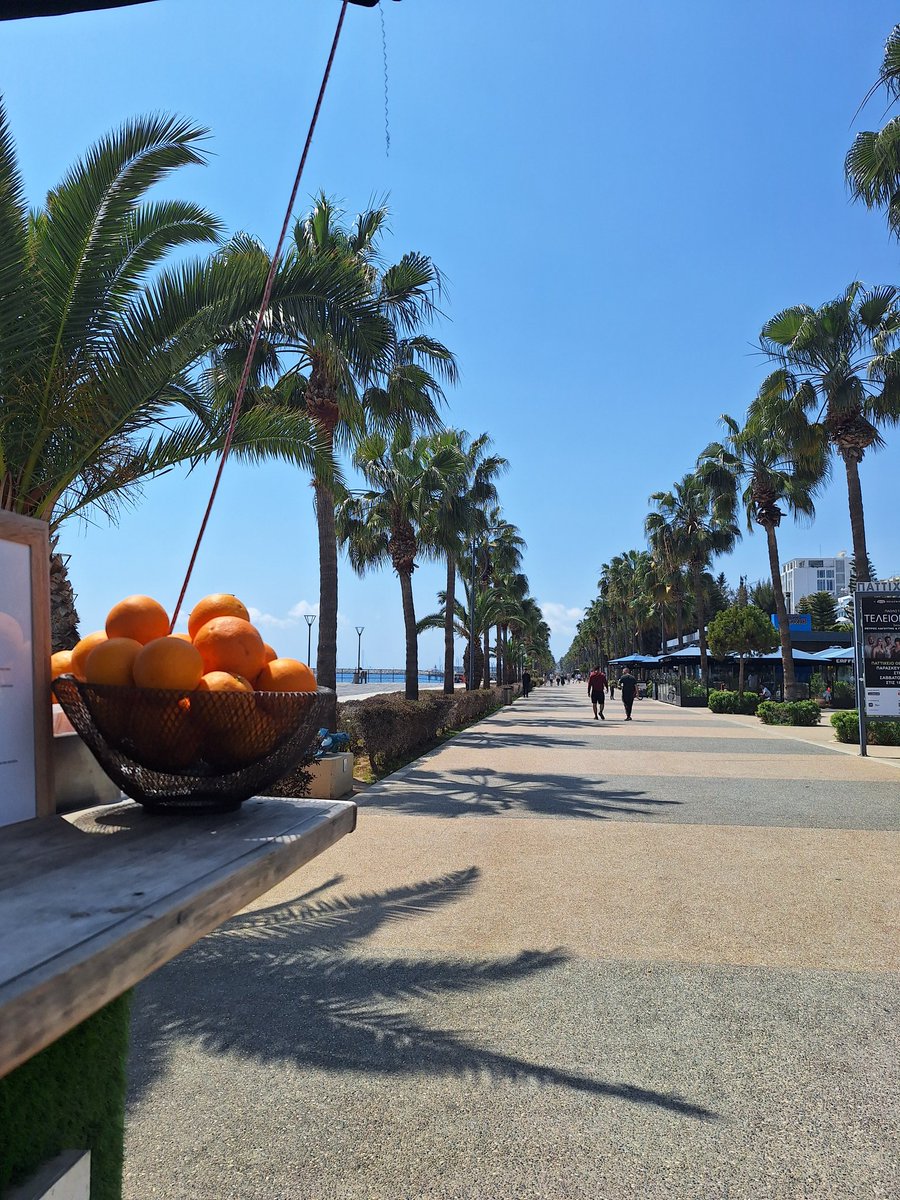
column 39, row 1007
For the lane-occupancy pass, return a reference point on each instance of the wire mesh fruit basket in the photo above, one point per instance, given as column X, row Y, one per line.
column 192, row 751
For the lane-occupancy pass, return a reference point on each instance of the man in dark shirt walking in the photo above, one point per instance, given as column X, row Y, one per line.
column 628, row 687
column 597, row 691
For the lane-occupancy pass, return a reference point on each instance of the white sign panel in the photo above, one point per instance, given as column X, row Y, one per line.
column 17, row 748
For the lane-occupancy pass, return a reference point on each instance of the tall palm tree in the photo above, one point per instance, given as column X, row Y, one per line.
column 768, row 469
column 100, row 346
column 840, row 361
column 454, row 520
column 501, row 549
column 699, row 526
column 406, row 479
column 872, row 166
column 388, row 375
column 471, row 616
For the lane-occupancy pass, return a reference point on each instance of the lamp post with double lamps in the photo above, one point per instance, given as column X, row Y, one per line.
column 359, row 633
column 309, row 618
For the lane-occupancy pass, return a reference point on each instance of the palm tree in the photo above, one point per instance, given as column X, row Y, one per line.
column 406, row 479
column 99, row 347
column 389, row 374
column 838, row 360
column 697, row 526
column 501, row 547
column 453, row 521
column 474, row 616
column 872, row 166
column 768, row 469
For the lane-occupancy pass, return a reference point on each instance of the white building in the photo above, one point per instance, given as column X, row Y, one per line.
column 802, row 576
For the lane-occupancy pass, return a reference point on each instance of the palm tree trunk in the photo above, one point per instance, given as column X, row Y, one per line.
column 679, row 621
column 63, row 613
column 741, row 674
column 857, row 517
column 784, row 626
column 412, row 641
column 697, row 580
column 326, row 655
column 448, row 622
column 486, row 678
column 499, row 654
column 472, row 654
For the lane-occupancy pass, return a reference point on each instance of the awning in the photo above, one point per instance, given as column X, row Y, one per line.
column 835, row 654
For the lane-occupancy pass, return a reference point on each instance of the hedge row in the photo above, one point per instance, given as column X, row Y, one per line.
column 733, row 702
column 878, row 733
column 790, row 712
column 390, row 728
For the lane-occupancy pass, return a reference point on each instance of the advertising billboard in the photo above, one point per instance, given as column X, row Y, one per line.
column 878, row 650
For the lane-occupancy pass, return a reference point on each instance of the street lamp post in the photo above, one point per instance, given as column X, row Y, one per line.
column 309, row 618
column 359, row 633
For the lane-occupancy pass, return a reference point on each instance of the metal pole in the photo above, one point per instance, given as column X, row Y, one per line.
column 359, row 633
column 859, row 659
column 309, row 618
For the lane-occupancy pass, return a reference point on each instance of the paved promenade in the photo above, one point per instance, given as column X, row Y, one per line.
column 560, row 959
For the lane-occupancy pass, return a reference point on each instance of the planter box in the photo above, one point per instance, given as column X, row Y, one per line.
column 332, row 777
column 78, row 779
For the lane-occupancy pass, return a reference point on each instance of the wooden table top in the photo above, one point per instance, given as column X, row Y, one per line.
column 92, row 903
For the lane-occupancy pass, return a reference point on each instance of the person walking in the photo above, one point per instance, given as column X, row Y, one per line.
column 628, row 687
column 612, row 689
column 526, row 684
column 597, row 691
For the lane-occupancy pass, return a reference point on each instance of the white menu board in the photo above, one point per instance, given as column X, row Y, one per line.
column 18, row 784
column 26, row 737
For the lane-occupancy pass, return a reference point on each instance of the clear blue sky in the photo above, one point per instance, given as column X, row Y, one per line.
column 619, row 196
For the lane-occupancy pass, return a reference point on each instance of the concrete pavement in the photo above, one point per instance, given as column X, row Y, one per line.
column 560, row 958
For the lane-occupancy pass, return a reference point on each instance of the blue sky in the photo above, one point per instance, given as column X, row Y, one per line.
column 619, row 197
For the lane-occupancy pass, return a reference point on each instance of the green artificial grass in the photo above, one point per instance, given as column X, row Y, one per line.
column 71, row 1096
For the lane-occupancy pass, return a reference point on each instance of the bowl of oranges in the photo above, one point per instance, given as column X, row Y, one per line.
column 199, row 720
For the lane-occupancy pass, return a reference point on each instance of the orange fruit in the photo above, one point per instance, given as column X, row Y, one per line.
column 60, row 664
column 219, row 604
column 166, row 737
column 285, row 675
column 238, row 738
column 82, row 650
column 184, row 637
column 138, row 617
column 231, row 644
column 270, row 652
column 168, row 662
column 224, row 681
column 112, row 662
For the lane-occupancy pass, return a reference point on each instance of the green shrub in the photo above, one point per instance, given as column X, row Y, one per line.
column 733, row 702
column 843, row 694
column 816, row 685
column 878, row 733
column 390, row 728
column 791, row 712
column 469, row 707
column 692, row 687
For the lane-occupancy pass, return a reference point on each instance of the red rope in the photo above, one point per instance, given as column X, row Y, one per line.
column 254, row 341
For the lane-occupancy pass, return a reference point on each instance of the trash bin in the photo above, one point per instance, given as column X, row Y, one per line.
column 506, row 693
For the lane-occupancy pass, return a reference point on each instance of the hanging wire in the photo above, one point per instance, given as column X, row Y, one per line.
column 387, row 126
column 254, row 341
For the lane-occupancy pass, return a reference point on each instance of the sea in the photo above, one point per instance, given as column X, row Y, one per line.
column 379, row 675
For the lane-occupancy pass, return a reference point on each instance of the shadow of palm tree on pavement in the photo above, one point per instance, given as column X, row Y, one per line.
column 487, row 793
column 289, row 984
